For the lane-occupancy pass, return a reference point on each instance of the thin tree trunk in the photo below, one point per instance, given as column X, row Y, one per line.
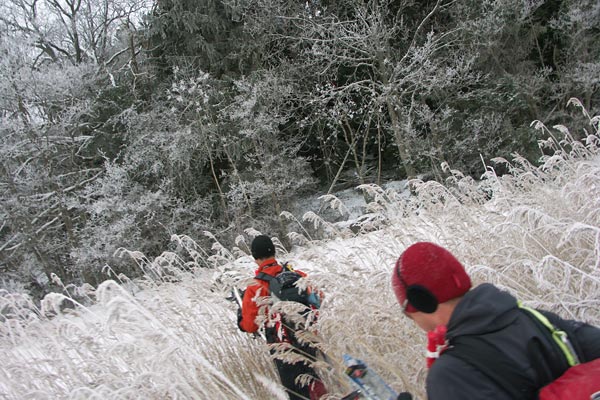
column 352, row 143
column 216, row 180
column 339, row 172
column 379, row 158
column 134, row 64
column 400, row 140
column 237, row 175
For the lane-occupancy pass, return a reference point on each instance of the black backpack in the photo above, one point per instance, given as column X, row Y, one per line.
column 283, row 287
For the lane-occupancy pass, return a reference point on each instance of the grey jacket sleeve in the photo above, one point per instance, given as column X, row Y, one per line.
column 587, row 337
column 452, row 379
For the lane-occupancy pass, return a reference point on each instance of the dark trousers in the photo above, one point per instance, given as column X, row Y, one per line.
column 288, row 374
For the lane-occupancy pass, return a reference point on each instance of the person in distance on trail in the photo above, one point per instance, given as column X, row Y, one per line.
column 277, row 329
column 482, row 344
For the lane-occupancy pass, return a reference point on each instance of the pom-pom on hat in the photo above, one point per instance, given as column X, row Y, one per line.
column 426, row 275
column 262, row 247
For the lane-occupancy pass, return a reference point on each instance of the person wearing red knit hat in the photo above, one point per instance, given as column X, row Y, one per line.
column 481, row 343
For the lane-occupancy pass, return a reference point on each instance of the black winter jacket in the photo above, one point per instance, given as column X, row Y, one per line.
column 493, row 314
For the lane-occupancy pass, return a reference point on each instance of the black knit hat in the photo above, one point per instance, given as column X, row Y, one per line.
column 262, row 247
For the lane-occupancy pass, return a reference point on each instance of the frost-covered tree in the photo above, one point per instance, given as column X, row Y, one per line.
column 121, row 214
column 209, row 138
column 443, row 80
column 268, row 170
column 42, row 172
column 199, row 34
column 73, row 30
column 524, row 54
column 118, row 131
column 53, row 137
column 371, row 63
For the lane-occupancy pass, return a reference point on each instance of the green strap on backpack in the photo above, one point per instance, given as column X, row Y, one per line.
column 576, row 383
column 560, row 337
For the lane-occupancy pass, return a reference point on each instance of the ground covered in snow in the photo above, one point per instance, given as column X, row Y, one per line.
column 535, row 232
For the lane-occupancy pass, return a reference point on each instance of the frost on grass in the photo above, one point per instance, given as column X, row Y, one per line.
column 534, row 232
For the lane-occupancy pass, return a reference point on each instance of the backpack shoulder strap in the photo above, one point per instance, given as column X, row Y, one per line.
column 274, row 284
column 264, row 277
column 558, row 336
column 268, row 278
column 478, row 353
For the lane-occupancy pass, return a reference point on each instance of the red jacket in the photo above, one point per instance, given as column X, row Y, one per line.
column 257, row 289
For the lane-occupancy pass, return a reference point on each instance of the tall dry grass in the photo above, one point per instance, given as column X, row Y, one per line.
column 534, row 232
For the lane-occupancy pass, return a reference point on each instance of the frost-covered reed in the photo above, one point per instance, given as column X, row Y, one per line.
column 534, row 232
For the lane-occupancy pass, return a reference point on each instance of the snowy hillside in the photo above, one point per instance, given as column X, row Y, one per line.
column 534, row 232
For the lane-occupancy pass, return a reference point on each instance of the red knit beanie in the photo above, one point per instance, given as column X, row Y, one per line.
column 432, row 267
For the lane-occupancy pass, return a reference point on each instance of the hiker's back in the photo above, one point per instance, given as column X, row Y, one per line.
column 500, row 341
column 453, row 378
column 518, row 363
column 294, row 306
column 258, row 312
